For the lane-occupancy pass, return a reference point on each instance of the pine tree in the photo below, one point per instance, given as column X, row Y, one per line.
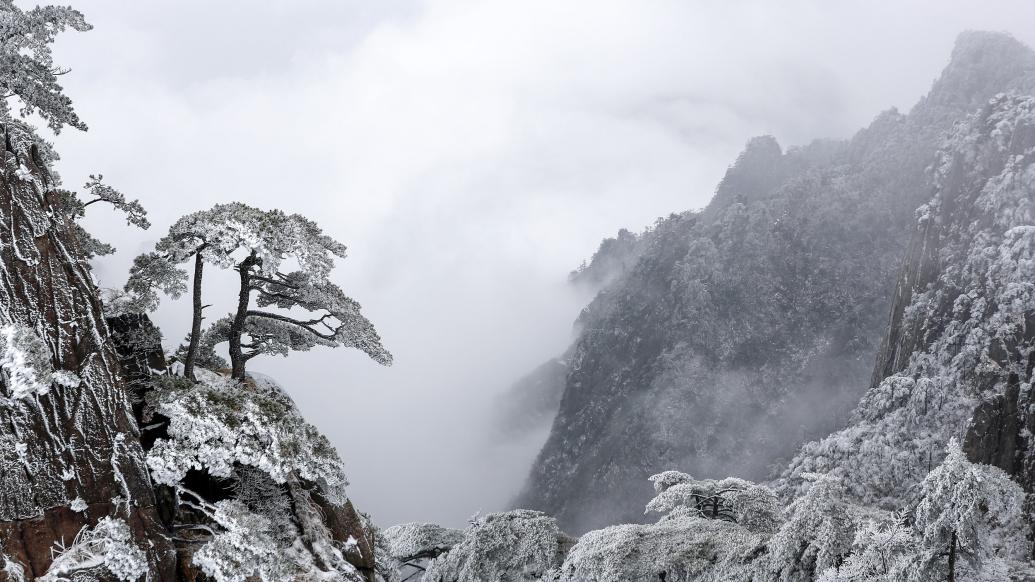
column 969, row 517
column 257, row 244
column 27, row 69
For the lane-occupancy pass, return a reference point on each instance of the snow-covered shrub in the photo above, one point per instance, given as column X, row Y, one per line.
column 280, row 468
column 265, row 497
column 411, row 541
column 265, row 535
column 12, row 569
column 245, row 547
column 107, row 545
column 682, row 545
column 220, row 423
column 753, row 506
column 27, row 363
column 512, row 546
column 407, row 548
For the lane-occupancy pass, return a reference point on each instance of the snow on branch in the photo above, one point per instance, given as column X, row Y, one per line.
column 108, row 545
column 27, row 64
column 27, row 363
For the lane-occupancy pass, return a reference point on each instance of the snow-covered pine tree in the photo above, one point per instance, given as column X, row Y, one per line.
column 336, row 319
column 881, row 552
column 28, row 69
column 731, row 499
column 970, row 519
column 29, row 82
column 257, row 244
column 208, row 236
column 818, row 532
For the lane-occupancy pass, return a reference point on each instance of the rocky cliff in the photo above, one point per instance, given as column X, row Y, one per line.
column 745, row 329
column 958, row 357
column 70, row 455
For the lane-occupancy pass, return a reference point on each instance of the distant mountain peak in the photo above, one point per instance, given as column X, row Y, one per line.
column 983, row 63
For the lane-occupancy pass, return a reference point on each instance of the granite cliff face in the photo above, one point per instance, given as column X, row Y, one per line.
column 69, row 450
column 958, row 357
column 745, row 329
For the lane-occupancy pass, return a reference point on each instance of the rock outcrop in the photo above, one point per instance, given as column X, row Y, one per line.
column 69, row 450
column 138, row 344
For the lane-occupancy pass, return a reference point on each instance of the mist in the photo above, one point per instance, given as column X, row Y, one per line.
column 470, row 154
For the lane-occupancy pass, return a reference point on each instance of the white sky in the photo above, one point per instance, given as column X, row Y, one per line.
column 470, row 153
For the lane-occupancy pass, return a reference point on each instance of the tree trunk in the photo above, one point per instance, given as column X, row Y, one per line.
column 237, row 359
column 195, row 327
column 952, row 558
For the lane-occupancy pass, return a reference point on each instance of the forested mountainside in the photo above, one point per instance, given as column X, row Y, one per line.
column 958, row 358
column 742, row 330
column 929, row 479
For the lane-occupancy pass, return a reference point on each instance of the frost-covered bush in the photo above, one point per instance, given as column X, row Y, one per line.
column 12, row 569
column 512, row 546
column 27, row 364
column 411, row 541
column 220, row 423
column 968, row 525
column 683, row 546
column 281, row 471
column 107, row 545
column 406, row 549
column 732, row 499
column 245, row 547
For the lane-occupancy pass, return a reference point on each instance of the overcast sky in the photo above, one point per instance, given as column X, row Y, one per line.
column 470, row 153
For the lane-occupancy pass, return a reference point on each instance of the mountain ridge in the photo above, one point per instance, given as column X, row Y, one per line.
column 760, row 314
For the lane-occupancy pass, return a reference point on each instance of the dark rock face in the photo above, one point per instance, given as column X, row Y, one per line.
column 76, row 442
column 995, row 435
column 750, row 327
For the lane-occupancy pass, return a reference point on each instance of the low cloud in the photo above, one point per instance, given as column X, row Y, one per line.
column 471, row 154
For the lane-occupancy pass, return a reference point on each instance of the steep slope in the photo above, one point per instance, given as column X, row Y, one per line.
column 69, row 450
column 749, row 327
column 960, row 351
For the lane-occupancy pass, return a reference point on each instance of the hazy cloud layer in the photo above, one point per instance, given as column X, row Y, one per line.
column 471, row 154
